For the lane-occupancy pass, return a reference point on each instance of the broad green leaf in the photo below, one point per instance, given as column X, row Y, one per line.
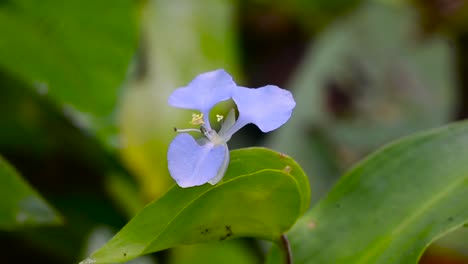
column 75, row 51
column 181, row 39
column 262, row 195
column 392, row 205
column 20, row 205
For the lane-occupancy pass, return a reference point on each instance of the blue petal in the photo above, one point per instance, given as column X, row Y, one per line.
column 223, row 168
column 205, row 91
column 268, row 107
column 191, row 164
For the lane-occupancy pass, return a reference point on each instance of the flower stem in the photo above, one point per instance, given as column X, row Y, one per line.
column 286, row 248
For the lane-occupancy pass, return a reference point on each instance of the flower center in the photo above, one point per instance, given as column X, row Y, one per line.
column 212, row 136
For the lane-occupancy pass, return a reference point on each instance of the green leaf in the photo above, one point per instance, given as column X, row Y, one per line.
column 100, row 235
column 20, row 205
column 392, row 205
column 262, row 195
column 69, row 50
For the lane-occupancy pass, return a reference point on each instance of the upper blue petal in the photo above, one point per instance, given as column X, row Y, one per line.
column 191, row 164
column 268, row 107
column 205, row 91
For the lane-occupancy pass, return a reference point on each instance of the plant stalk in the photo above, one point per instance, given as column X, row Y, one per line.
column 286, row 248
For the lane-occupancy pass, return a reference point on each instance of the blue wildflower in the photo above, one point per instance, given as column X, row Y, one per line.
column 195, row 162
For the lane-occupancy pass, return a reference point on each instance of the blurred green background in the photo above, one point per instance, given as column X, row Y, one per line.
column 84, row 85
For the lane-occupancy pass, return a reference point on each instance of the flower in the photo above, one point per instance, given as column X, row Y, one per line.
column 195, row 162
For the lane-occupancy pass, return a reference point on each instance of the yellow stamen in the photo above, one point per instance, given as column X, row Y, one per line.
column 219, row 118
column 197, row 119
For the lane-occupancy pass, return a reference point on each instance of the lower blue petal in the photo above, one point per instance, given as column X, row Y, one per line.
column 191, row 164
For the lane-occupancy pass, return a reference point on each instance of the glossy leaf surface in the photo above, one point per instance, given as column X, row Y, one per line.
column 391, row 206
column 262, row 195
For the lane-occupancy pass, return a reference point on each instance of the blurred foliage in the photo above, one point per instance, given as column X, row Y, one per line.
column 21, row 206
column 360, row 87
column 70, row 52
column 61, row 69
column 312, row 14
column 450, row 16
